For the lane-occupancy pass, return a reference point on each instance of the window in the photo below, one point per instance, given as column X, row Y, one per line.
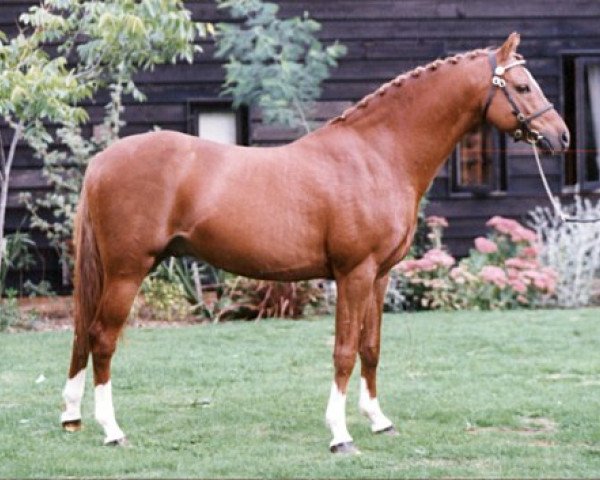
column 478, row 163
column 217, row 121
column 581, row 106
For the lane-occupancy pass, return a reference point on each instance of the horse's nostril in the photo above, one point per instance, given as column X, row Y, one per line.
column 565, row 139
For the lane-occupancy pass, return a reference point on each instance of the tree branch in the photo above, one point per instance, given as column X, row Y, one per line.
column 2, row 158
column 298, row 106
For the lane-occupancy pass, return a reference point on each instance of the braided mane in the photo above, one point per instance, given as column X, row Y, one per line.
column 403, row 77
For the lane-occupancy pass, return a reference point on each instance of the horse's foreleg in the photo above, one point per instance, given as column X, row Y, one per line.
column 370, row 340
column 116, row 302
column 355, row 292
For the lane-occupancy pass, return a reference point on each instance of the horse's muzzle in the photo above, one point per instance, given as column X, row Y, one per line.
column 554, row 144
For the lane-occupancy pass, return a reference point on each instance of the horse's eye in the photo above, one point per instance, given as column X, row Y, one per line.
column 522, row 88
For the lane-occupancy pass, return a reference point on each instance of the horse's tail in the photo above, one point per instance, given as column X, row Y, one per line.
column 88, row 283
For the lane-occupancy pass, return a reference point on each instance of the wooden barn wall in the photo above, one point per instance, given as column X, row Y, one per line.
column 384, row 38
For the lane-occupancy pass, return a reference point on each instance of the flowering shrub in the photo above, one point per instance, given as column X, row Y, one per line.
column 502, row 271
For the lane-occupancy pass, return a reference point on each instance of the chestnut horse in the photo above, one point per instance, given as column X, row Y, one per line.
column 339, row 203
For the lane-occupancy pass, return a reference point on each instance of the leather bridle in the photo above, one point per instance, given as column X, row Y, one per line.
column 524, row 130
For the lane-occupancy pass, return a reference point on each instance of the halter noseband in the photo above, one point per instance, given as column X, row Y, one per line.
column 498, row 82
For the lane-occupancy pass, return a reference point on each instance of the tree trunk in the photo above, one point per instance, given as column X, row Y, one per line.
column 4, row 187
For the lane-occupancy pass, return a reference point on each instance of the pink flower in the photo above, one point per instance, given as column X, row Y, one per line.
column 485, row 245
column 456, row 273
column 435, row 221
column 493, row 274
column 531, row 251
column 522, row 299
column 521, row 263
column 517, row 285
column 512, row 228
column 439, row 258
column 426, row 264
column 503, row 225
column 407, row 266
column 513, row 273
column 544, row 279
column 523, row 234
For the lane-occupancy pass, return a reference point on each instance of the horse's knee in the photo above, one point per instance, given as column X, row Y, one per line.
column 344, row 363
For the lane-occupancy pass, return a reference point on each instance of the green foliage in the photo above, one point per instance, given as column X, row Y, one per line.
column 16, row 255
column 165, row 299
column 114, row 39
column 186, row 275
column 276, row 64
column 35, row 87
column 109, row 43
column 10, row 315
column 64, row 170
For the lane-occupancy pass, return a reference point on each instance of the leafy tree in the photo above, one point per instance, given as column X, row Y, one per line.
column 107, row 43
column 276, row 64
column 33, row 88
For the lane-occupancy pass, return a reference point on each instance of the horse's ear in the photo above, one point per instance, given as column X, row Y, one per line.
column 509, row 47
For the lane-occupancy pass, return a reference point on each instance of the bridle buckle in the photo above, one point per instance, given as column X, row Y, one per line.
column 533, row 136
column 498, row 82
column 518, row 134
column 499, row 71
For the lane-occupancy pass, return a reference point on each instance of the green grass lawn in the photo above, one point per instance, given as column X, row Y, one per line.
column 512, row 394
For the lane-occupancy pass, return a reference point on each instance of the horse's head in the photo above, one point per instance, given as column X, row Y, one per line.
column 520, row 107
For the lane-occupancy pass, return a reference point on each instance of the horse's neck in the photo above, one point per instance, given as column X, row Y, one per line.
column 416, row 126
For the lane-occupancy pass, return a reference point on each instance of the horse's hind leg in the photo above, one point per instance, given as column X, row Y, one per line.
column 370, row 341
column 117, row 298
column 355, row 292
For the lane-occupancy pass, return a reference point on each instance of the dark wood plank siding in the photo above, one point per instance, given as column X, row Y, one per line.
column 384, row 38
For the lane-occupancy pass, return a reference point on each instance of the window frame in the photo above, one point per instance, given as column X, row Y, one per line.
column 196, row 106
column 575, row 61
column 498, row 184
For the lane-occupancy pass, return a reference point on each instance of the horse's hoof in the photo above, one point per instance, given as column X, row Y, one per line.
column 119, row 442
column 389, row 431
column 345, row 448
column 72, row 425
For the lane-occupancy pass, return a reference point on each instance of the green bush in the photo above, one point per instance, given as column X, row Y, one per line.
column 165, row 300
column 16, row 255
column 10, row 314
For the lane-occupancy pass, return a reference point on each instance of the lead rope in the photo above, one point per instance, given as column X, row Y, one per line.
column 553, row 201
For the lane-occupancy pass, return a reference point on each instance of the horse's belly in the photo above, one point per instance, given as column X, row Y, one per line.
column 260, row 253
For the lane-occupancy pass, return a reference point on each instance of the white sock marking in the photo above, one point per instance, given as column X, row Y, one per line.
column 72, row 395
column 105, row 412
column 335, row 416
column 370, row 408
